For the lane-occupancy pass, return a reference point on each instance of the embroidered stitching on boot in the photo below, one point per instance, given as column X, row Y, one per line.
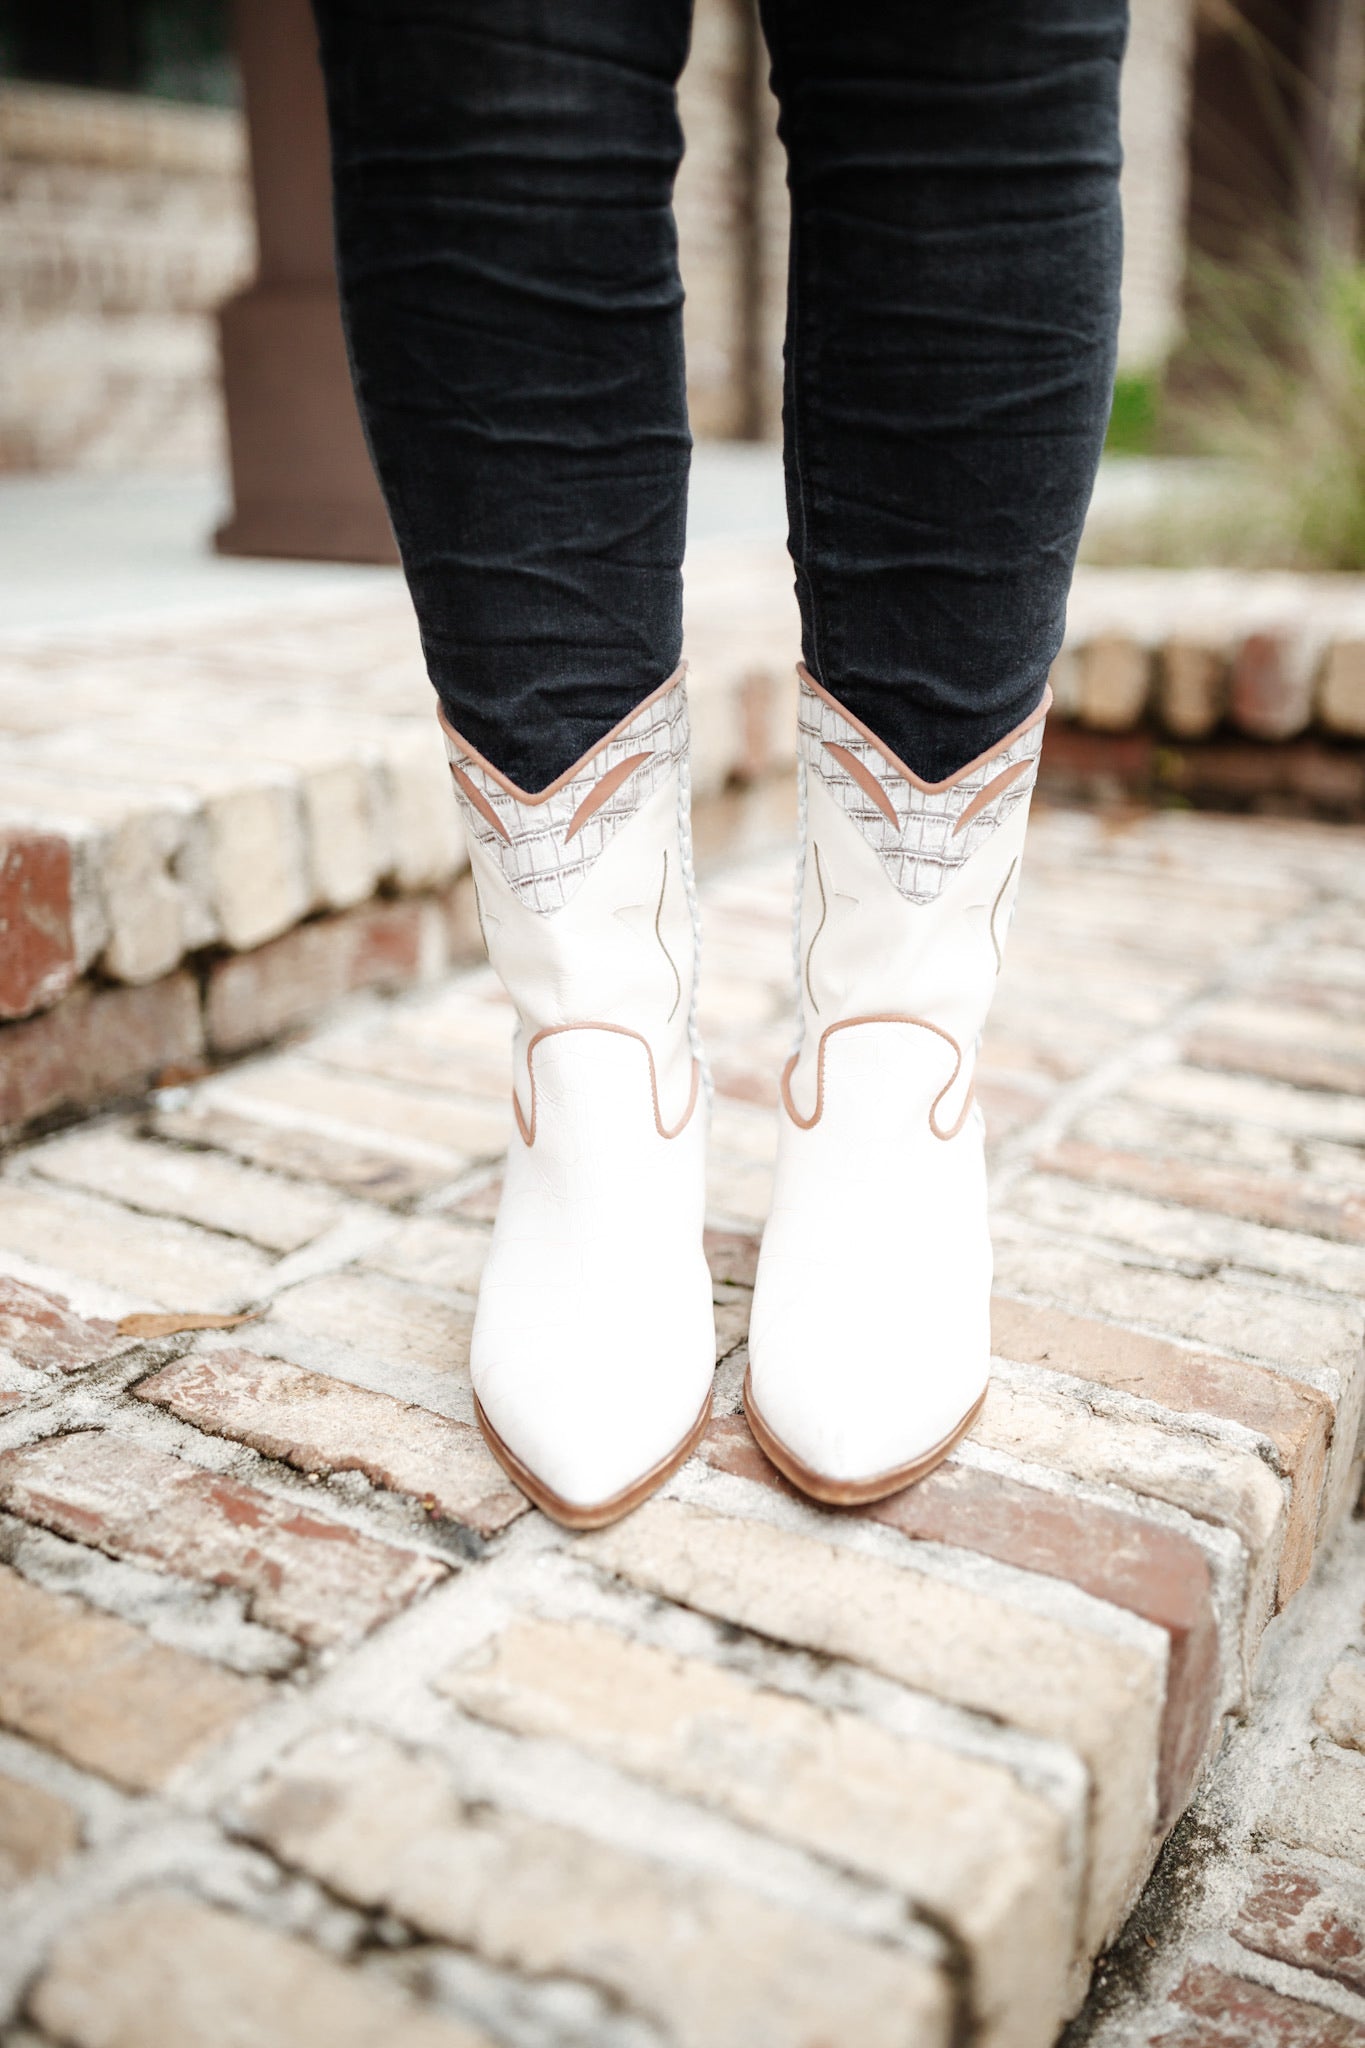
column 934, row 831
column 546, row 849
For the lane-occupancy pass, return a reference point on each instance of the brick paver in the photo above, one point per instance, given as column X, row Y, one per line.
column 1310, row 1918
column 739, row 1770
column 962, row 1841
column 36, row 916
column 1098, row 1692
column 1212, row 2010
column 302, row 1572
column 714, row 1965
column 38, row 1831
column 1253, row 1935
column 104, row 1695
column 323, row 1425
column 163, row 1971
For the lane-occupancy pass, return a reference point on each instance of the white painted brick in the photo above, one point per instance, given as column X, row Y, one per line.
column 161, row 1970
column 198, row 1187
column 711, row 1964
column 957, row 1834
column 148, row 1259
column 1101, row 1697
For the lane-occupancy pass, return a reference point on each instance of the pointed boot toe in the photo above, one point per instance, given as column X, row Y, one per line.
column 870, row 1336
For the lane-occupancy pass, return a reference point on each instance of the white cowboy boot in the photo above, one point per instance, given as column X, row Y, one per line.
column 870, row 1338
column 594, row 1343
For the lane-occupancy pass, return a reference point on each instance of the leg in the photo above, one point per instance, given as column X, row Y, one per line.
column 950, row 347
column 509, row 278
column 508, row 266
column 956, row 247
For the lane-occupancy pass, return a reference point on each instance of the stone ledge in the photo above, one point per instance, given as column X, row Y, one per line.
column 217, row 784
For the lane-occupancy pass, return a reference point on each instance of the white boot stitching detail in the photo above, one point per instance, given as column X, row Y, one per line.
column 936, row 831
column 689, row 877
column 546, row 848
column 802, row 843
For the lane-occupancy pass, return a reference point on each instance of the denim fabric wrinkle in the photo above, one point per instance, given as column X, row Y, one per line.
column 508, row 267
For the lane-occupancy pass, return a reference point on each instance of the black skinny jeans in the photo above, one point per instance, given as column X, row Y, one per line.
column 508, row 263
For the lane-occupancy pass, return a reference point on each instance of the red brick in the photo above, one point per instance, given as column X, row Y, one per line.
column 41, row 1329
column 1329, row 779
column 1296, row 1418
column 97, row 1045
column 37, row 941
column 324, row 1425
column 1132, row 1563
column 253, row 997
column 317, row 1579
column 1314, row 1922
column 1313, row 1206
column 1272, row 686
column 1217, row 2011
column 1073, row 756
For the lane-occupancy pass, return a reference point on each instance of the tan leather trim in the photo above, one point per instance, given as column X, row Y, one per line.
column 596, row 1516
column 865, row 779
column 848, row 1493
column 474, row 795
column 528, row 1131
column 994, row 788
column 606, row 788
column 807, row 1123
column 894, row 760
column 540, row 796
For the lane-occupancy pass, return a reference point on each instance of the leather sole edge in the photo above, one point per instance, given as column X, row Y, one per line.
column 599, row 1514
column 849, row 1493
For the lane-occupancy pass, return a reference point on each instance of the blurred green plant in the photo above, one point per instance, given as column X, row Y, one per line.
column 1268, row 391
column 1284, row 399
column 1133, row 416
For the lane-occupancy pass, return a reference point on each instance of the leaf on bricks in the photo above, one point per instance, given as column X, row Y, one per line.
column 170, row 1323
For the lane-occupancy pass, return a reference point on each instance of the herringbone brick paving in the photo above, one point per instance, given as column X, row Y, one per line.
column 311, row 1730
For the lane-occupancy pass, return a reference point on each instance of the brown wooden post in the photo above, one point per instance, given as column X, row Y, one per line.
column 301, row 477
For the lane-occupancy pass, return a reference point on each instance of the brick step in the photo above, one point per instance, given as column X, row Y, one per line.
column 186, row 796
column 298, row 1690
column 206, row 837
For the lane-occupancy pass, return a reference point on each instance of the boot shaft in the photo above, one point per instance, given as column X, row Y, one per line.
column 586, row 894
column 905, row 891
